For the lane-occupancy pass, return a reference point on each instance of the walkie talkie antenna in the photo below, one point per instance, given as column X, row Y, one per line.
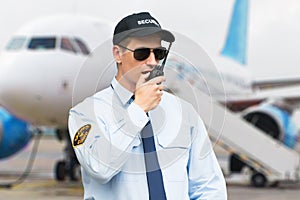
column 159, row 69
column 164, row 61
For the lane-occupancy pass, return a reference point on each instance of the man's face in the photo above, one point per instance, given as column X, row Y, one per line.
column 130, row 69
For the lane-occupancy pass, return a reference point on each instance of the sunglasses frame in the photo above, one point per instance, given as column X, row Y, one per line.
column 150, row 50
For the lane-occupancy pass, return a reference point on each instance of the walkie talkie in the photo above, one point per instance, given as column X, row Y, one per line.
column 159, row 69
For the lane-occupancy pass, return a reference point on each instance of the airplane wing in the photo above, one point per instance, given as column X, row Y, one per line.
column 288, row 92
column 238, row 102
column 270, row 84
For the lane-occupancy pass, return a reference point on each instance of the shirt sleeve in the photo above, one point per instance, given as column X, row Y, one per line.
column 103, row 144
column 206, row 180
column 137, row 115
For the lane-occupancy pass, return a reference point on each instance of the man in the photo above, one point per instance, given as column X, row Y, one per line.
column 135, row 141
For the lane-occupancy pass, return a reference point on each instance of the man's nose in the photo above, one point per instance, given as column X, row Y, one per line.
column 151, row 59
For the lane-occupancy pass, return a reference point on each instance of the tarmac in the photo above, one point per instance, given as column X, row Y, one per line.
column 40, row 183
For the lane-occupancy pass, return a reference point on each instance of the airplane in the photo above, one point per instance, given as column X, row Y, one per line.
column 53, row 63
column 47, row 54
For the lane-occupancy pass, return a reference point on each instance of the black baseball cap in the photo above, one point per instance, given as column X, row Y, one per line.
column 140, row 25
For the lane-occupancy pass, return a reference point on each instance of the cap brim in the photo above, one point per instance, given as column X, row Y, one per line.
column 143, row 32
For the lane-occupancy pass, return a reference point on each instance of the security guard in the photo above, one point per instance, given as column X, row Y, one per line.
column 135, row 141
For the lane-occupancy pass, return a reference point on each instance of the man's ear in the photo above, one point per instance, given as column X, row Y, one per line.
column 117, row 54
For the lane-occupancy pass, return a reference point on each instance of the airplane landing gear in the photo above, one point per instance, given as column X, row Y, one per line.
column 258, row 180
column 60, row 170
column 68, row 167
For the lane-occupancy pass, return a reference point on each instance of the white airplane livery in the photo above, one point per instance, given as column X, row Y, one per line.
column 40, row 64
column 38, row 69
column 53, row 63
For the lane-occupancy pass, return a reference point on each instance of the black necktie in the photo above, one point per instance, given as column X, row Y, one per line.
column 154, row 176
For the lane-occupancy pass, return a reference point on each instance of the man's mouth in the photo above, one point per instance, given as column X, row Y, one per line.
column 145, row 72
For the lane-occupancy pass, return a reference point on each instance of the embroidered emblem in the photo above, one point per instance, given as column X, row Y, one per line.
column 81, row 135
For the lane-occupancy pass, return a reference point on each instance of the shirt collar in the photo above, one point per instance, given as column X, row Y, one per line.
column 123, row 94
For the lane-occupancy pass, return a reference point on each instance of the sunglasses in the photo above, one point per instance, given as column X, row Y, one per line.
column 141, row 54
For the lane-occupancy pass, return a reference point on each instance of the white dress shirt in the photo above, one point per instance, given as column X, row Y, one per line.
column 105, row 132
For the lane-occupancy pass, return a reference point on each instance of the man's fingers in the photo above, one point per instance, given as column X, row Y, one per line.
column 161, row 87
column 158, row 79
column 142, row 79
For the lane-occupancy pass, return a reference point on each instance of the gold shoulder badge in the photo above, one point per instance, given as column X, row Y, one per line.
column 81, row 135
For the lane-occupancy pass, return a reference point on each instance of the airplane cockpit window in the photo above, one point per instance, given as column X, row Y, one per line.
column 66, row 44
column 84, row 49
column 16, row 43
column 42, row 43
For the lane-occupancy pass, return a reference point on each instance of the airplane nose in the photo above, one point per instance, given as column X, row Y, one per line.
column 12, row 77
column 30, row 81
column 13, row 89
column 8, row 83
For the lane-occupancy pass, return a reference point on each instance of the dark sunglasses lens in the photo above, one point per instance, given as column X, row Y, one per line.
column 160, row 53
column 141, row 54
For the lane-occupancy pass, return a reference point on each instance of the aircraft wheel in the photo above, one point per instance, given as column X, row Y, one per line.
column 60, row 135
column 258, row 180
column 60, row 171
column 75, row 173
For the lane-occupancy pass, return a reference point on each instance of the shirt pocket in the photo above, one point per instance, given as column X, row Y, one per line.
column 175, row 139
column 127, row 177
column 174, row 153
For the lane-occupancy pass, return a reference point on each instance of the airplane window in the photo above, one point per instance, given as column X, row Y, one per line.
column 16, row 43
column 42, row 43
column 84, row 49
column 66, row 44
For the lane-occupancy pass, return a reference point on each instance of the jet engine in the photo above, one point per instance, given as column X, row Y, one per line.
column 14, row 134
column 275, row 120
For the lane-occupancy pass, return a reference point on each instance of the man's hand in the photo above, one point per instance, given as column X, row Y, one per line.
column 148, row 93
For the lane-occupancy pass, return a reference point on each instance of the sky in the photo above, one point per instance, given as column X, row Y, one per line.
column 273, row 43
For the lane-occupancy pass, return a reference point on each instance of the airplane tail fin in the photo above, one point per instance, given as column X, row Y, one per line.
column 236, row 41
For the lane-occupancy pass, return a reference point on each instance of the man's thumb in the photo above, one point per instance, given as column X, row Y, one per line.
column 142, row 79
